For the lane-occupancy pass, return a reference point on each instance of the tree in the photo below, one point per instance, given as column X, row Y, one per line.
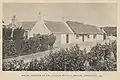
column 51, row 41
column 114, row 49
column 18, row 34
column 44, row 42
column 7, row 33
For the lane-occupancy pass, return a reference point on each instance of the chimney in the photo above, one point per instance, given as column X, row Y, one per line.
column 14, row 21
column 39, row 18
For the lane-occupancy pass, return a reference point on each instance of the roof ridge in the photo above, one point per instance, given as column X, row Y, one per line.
column 75, row 21
column 52, row 21
column 27, row 21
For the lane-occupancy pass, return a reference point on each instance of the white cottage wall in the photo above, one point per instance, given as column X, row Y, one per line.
column 63, row 38
column 58, row 40
column 70, row 38
column 73, row 39
column 39, row 28
column 99, row 37
column 88, row 39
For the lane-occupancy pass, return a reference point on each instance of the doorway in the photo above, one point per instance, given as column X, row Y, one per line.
column 67, row 38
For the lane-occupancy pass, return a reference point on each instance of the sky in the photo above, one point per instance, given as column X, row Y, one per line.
column 99, row 14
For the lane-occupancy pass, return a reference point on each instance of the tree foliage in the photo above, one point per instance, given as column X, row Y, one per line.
column 27, row 46
column 18, row 34
column 7, row 33
column 51, row 39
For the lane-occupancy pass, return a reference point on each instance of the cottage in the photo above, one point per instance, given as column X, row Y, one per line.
column 26, row 25
column 40, row 26
column 58, row 28
column 84, row 32
column 66, row 32
column 110, row 31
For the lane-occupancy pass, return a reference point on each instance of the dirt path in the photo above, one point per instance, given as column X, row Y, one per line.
column 29, row 57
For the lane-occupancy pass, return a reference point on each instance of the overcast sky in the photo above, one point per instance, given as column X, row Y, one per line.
column 99, row 14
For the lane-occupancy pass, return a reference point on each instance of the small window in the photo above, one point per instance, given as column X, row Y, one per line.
column 26, row 34
column 88, row 36
column 94, row 36
column 77, row 36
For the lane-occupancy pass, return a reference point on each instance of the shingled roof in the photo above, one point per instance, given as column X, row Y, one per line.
column 57, row 27
column 28, row 25
column 76, row 27
column 80, row 28
column 91, row 29
column 110, row 30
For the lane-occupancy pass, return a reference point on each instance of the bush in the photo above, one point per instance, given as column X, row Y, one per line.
column 28, row 46
column 9, row 49
column 74, row 59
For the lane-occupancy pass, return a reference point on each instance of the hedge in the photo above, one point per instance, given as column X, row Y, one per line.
column 101, row 57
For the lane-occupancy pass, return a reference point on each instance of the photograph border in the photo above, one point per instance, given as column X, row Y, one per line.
column 9, row 75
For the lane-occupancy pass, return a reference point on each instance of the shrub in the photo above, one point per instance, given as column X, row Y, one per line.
column 9, row 49
column 28, row 46
column 51, row 41
column 74, row 59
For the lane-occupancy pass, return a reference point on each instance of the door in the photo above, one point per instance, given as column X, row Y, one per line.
column 104, row 36
column 83, row 37
column 67, row 38
column 26, row 34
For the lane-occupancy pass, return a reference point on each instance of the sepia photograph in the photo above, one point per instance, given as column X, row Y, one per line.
column 59, row 37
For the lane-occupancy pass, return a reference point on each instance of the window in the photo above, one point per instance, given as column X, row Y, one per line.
column 77, row 36
column 88, row 36
column 26, row 34
column 94, row 36
column 83, row 38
